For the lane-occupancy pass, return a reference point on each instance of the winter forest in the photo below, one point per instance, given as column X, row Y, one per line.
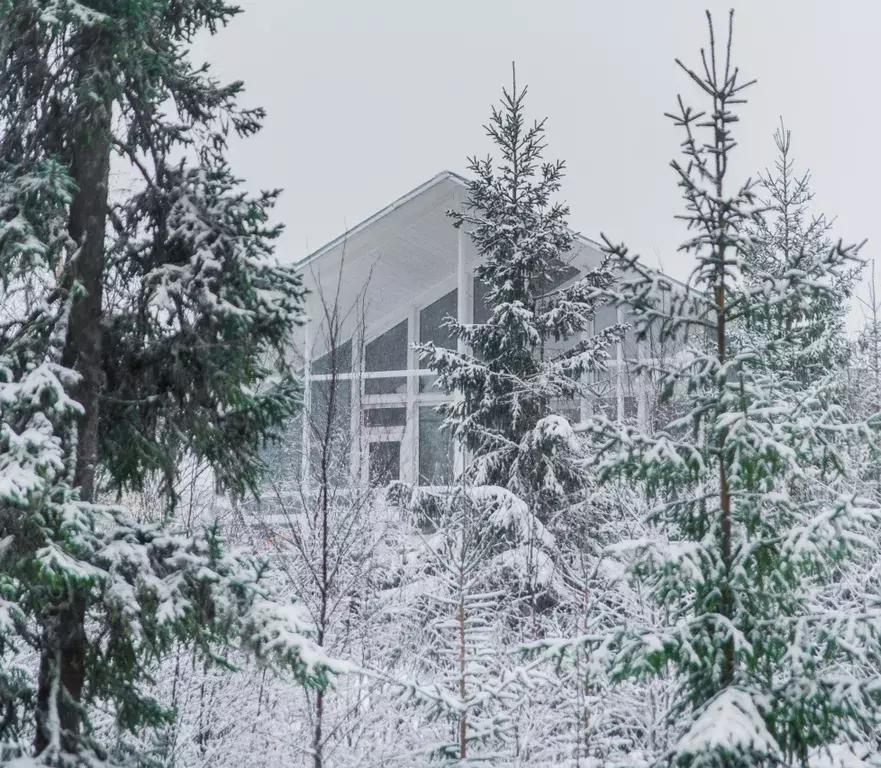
column 652, row 541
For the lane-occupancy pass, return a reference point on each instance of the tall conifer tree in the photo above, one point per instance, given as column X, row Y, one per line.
column 138, row 326
column 512, row 382
column 767, row 674
column 803, row 340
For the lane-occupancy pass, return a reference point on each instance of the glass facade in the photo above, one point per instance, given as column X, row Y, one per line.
column 431, row 321
column 388, row 352
column 431, row 328
column 386, row 427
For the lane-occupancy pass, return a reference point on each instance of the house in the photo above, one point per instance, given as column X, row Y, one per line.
column 384, row 285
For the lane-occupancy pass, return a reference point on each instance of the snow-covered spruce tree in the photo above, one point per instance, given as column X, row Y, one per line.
column 588, row 722
column 865, row 382
column 512, row 387
column 804, row 341
column 767, row 675
column 137, row 328
column 474, row 700
column 805, row 344
column 223, row 717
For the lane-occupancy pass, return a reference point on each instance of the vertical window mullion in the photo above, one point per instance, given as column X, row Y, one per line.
column 358, row 445
column 411, row 445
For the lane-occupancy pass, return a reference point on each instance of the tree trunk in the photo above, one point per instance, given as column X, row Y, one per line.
column 65, row 636
column 727, row 607
column 463, row 717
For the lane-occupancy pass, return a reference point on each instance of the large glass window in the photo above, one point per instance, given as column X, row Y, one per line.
column 482, row 312
column 384, row 459
column 429, row 384
column 337, row 361
column 435, row 449
column 387, row 353
column 431, row 328
column 328, row 433
column 330, row 423
column 431, row 321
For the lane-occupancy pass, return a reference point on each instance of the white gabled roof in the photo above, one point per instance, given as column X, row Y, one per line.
column 376, row 217
column 439, row 178
column 400, row 255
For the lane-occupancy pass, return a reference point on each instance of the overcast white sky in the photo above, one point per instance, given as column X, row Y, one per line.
column 366, row 100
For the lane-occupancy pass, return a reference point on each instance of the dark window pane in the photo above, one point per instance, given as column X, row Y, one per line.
column 384, row 463
column 394, row 385
column 331, row 407
column 389, row 351
column 427, row 384
column 435, row 449
column 482, row 312
column 432, row 317
column 558, row 273
column 385, row 417
column 331, row 402
column 338, row 362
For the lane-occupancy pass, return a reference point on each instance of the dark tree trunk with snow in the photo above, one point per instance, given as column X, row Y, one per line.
column 88, row 219
column 122, row 349
column 90, row 169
